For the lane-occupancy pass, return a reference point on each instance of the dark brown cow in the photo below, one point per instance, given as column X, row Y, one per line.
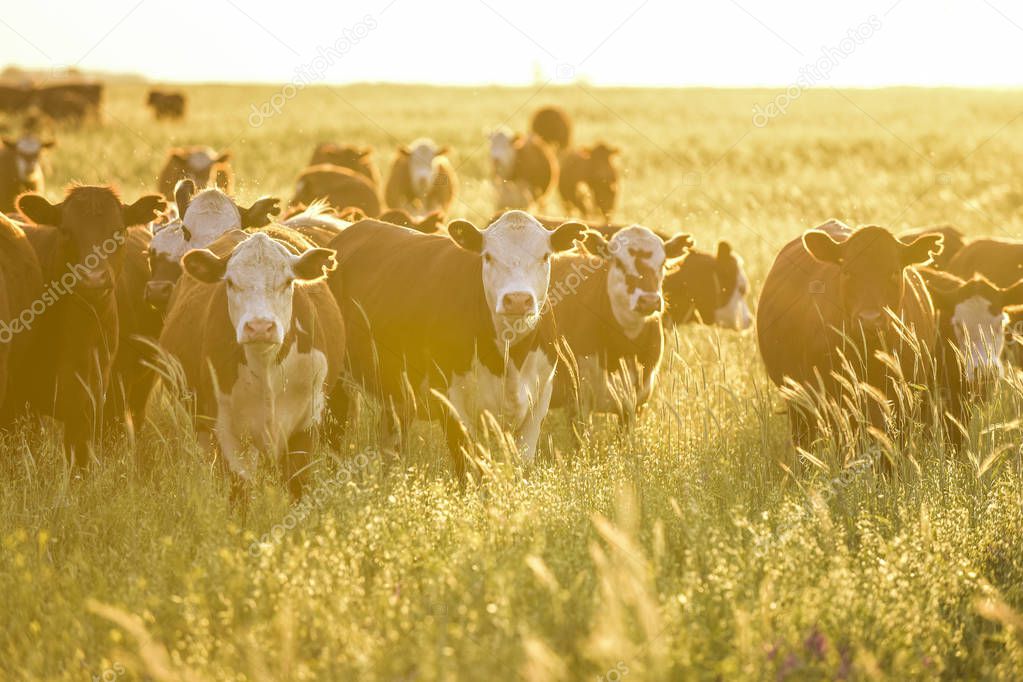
column 70, row 101
column 422, row 179
column 953, row 239
column 19, row 168
column 80, row 246
column 261, row 341
column 835, row 278
column 15, row 98
column 358, row 159
column 428, row 224
column 464, row 315
column 166, row 104
column 340, row 187
column 553, row 125
column 21, row 290
column 591, row 167
column 607, row 305
column 198, row 164
column 527, row 164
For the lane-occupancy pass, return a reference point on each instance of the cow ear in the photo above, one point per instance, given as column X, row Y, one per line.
column 222, row 177
column 143, row 210
column 39, row 210
column 922, row 250
column 352, row 214
column 314, row 264
column 183, row 192
column 178, row 154
column 566, row 235
column 366, row 152
column 204, row 265
column 49, row 144
column 404, row 150
column 442, row 150
column 1013, row 296
column 10, row 142
column 259, row 213
column 821, row 246
column 431, row 222
column 466, row 235
column 724, row 250
column 677, row 246
column 595, row 243
column 223, row 158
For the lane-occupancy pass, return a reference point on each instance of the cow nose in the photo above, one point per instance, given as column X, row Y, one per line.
column 158, row 292
column 870, row 318
column 97, row 280
column 648, row 304
column 259, row 329
column 517, row 304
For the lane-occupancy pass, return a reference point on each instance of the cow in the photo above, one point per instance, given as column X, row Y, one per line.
column 80, row 246
column 463, row 314
column 260, row 340
column 19, row 168
column 340, row 187
column 21, row 288
column 421, row 179
column 591, row 167
column 15, row 98
column 72, row 101
column 428, row 224
column 553, row 125
column 198, row 164
column 316, row 223
column 526, row 164
column 358, row 159
column 607, row 305
column 204, row 218
column 166, row 104
column 829, row 298
column 954, row 242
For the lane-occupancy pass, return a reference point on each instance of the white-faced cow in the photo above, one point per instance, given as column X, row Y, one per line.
column 19, row 168
column 525, row 169
column 422, row 179
column 463, row 315
column 201, row 165
column 261, row 341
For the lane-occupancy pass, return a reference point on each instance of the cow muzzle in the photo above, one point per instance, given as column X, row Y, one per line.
column 158, row 293
column 517, row 304
column 260, row 330
column 648, row 304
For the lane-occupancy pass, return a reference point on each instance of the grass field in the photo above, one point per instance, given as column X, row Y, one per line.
column 696, row 548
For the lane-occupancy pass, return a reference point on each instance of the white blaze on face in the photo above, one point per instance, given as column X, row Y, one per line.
column 209, row 215
column 168, row 242
column 735, row 313
column 502, row 151
column 635, row 277
column 200, row 161
column 980, row 336
column 27, row 157
column 516, row 271
column 422, row 168
column 260, row 284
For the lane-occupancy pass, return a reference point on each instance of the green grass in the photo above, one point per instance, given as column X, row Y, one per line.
column 698, row 548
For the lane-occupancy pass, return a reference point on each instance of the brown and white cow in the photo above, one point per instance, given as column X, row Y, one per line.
column 525, row 169
column 831, row 293
column 607, row 305
column 166, row 104
column 21, row 288
column 422, row 179
column 261, row 341
column 464, row 315
column 340, row 187
column 80, row 246
column 357, row 159
column 204, row 218
column 19, row 168
column 553, row 125
column 198, row 164
column 590, row 167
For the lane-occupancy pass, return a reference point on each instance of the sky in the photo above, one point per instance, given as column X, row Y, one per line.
column 727, row 43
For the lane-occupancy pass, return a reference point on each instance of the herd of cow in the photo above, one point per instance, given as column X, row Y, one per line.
column 275, row 320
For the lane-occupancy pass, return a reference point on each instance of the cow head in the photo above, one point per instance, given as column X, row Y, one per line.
column 515, row 251
column 26, row 151
column 166, row 248
column 358, row 159
column 975, row 311
column 259, row 276
column 871, row 263
column 502, row 151
column 92, row 221
column 423, row 157
column 637, row 261
column 197, row 163
column 733, row 286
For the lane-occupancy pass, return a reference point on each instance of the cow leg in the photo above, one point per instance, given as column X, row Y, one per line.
column 458, row 444
column 296, row 461
column 529, row 431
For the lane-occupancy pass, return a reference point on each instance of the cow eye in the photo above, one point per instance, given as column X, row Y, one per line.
column 487, row 258
column 230, row 284
column 546, row 257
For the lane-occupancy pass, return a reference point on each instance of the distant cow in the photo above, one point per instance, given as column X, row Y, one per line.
column 340, row 187
column 15, row 98
column 19, row 168
column 422, row 179
column 205, row 217
column 21, row 286
column 607, row 305
column 358, row 159
column 428, row 224
column 553, row 125
column 526, row 163
column 72, row 101
column 954, row 241
column 80, row 245
column 198, row 164
column 591, row 167
column 464, row 315
column 316, row 223
column 835, row 278
column 166, row 104
column 261, row 341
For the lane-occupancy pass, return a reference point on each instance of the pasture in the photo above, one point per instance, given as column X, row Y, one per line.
column 698, row 547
